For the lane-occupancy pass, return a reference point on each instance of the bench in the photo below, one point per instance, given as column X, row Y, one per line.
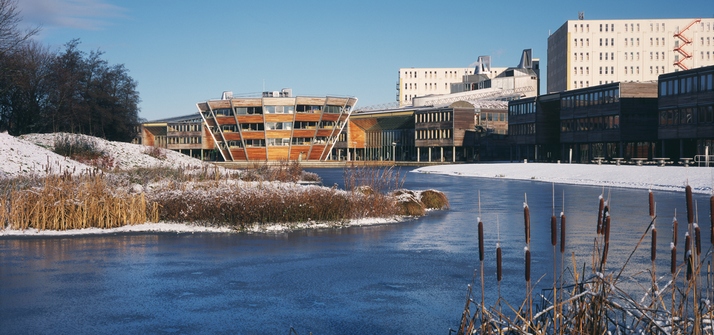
column 638, row 161
column 662, row 161
column 618, row 160
column 598, row 160
column 685, row 161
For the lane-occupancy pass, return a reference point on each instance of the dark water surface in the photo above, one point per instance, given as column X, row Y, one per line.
column 405, row 278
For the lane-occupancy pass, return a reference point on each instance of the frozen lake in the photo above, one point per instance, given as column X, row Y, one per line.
column 403, row 278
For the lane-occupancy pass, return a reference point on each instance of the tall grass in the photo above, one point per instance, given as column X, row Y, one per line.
column 70, row 202
column 594, row 303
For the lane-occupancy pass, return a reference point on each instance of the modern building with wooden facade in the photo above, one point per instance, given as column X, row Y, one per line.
column 184, row 134
column 275, row 126
column 686, row 113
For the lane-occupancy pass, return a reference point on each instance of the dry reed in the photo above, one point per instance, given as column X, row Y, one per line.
column 596, row 305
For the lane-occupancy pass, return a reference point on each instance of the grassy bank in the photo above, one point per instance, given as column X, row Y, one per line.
column 206, row 196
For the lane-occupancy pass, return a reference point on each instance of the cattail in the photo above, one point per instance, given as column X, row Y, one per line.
column 675, row 225
column 527, row 222
column 687, row 245
column 698, row 239
column 499, row 271
column 605, row 213
column 673, row 264
column 480, row 241
column 553, row 230
column 711, row 216
column 653, row 250
column 606, row 232
column 599, row 214
column 688, row 259
column 652, row 209
column 690, row 210
column 562, row 232
column 528, row 265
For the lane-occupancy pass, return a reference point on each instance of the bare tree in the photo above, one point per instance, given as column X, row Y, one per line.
column 11, row 37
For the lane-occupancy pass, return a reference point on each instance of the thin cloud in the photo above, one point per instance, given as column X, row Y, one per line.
column 73, row 14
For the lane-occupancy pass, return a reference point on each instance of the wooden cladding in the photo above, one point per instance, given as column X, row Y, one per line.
column 259, row 129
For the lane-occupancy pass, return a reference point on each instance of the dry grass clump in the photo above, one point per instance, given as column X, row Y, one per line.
column 156, row 152
column 83, row 149
column 409, row 205
column 283, row 171
column 433, row 199
column 67, row 202
column 379, row 180
column 241, row 204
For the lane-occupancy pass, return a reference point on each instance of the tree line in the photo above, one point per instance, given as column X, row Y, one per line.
column 61, row 91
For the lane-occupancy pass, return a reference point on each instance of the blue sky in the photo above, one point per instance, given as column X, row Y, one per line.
column 183, row 52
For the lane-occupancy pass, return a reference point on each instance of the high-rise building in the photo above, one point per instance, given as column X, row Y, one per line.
column 584, row 53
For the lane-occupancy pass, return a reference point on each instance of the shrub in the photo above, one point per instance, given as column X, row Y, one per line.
column 433, row 199
column 155, row 152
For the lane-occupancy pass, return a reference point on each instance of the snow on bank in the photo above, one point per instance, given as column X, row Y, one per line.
column 22, row 157
column 169, row 227
column 125, row 155
column 666, row 178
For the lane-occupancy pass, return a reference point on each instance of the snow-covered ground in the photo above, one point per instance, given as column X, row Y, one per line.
column 668, row 178
column 32, row 155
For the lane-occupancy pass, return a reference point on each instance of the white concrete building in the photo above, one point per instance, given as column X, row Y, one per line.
column 583, row 53
column 417, row 82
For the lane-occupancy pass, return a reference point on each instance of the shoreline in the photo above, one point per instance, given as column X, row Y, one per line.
column 667, row 178
column 187, row 228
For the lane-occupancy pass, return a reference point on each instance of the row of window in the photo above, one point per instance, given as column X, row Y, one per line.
column 279, row 126
column 433, row 117
column 184, row 140
column 673, row 117
column 276, row 142
column 633, row 27
column 432, row 74
column 685, row 85
column 521, row 109
column 596, row 123
column 185, row 127
column 590, row 99
column 277, row 110
column 433, row 134
column 489, row 117
column 427, row 86
column 522, row 129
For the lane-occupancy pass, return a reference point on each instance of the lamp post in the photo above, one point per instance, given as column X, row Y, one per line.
column 394, row 148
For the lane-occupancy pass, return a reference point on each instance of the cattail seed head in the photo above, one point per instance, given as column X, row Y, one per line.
column 599, row 215
column 653, row 250
column 499, row 270
column 687, row 245
column 606, row 232
column 698, row 239
column 480, row 241
column 690, row 204
column 553, row 230
column 528, row 265
column 711, row 216
column 652, row 211
column 673, row 264
column 562, row 232
column 689, row 261
column 675, row 228
column 527, row 222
